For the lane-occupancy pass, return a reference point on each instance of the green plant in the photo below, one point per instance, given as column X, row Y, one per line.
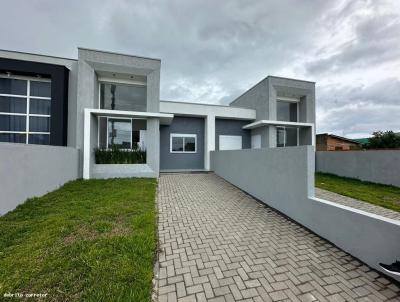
column 383, row 140
column 116, row 155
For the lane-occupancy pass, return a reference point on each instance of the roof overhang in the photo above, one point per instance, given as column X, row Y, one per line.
column 165, row 118
column 262, row 123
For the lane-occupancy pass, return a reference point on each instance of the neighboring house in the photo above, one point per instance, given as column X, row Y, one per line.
column 331, row 142
column 104, row 99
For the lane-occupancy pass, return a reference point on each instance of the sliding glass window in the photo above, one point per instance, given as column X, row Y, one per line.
column 25, row 105
column 122, row 133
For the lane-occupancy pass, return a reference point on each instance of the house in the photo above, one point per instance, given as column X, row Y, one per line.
column 331, row 142
column 104, row 99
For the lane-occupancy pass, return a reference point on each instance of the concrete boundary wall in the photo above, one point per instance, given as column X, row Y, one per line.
column 33, row 170
column 380, row 166
column 283, row 178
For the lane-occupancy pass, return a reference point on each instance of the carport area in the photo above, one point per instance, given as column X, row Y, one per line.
column 219, row 244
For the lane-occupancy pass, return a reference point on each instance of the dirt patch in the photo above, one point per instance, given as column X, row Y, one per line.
column 119, row 228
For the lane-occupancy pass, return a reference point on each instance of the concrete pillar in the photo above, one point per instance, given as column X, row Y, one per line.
column 86, row 144
column 153, row 144
column 209, row 141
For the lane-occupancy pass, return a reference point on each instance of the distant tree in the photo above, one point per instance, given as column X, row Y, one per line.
column 383, row 139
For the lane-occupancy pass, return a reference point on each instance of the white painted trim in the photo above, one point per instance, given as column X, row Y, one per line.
column 205, row 110
column 262, row 123
column 107, row 80
column 209, row 140
column 23, row 132
column 20, row 77
column 183, row 135
column 86, row 144
column 21, row 96
column 165, row 119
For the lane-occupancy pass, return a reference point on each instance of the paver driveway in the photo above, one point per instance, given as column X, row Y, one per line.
column 219, row 244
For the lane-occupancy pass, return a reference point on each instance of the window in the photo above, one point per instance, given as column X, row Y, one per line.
column 123, row 133
column 123, row 97
column 183, row 143
column 25, row 105
column 256, row 141
column 286, row 136
column 286, row 111
column 230, row 142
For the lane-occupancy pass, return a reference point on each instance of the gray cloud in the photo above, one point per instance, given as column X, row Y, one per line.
column 213, row 51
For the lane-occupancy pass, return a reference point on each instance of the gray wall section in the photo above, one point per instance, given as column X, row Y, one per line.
column 284, row 179
column 232, row 127
column 33, row 170
column 380, row 166
column 262, row 97
column 182, row 161
column 90, row 62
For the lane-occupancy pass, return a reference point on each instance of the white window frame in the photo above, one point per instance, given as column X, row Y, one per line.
column 118, row 118
column 107, row 130
column 184, row 136
column 290, row 100
column 28, row 98
column 284, row 135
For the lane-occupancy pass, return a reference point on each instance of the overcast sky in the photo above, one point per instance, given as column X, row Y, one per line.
column 212, row 51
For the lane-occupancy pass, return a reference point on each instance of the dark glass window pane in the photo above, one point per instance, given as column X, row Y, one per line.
column 286, row 111
column 280, row 137
column 190, row 144
column 13, row 86
column 293, row 112
column 39, row 139
column 119, row 133
column 103, row 132
column 39, row 124
column 291, row 136
column 39, row 106
column 123, row 97
column 13, row 138
column 12, row 123
column 42, row 89
column 177, row 143
column 139, row 133
column 12, row 105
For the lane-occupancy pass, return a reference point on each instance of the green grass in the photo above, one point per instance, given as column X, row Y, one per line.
column 87, row 241
column 381, row 195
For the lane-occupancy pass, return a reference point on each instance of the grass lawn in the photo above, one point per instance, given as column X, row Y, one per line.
column 381, row 195
column 87, row 241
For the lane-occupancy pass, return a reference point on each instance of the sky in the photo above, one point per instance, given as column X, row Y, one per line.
column 212, row 51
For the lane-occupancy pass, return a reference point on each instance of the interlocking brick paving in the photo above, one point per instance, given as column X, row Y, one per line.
column 219, row 244
column 357, row 204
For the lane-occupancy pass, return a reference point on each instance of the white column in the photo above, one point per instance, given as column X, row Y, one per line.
column 86, row 144
column 209, row 139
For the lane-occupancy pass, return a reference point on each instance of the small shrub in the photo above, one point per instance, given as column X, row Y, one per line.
column 116, row 155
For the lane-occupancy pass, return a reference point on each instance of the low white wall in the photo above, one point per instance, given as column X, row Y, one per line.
column 380, row 166
column 283, row 178
column 33, row 170
column 122, row 170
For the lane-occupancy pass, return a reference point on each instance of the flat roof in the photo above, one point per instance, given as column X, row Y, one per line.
column 37, row 54
column 118, row 53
